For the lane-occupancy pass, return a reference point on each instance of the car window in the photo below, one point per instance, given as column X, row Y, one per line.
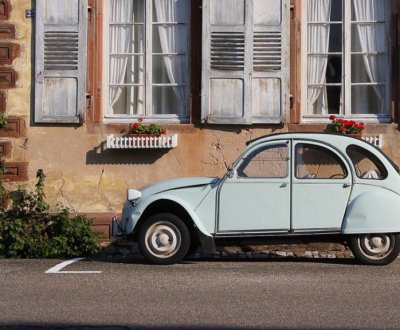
column 315, row 162
column 265, row 162
column 366, row 164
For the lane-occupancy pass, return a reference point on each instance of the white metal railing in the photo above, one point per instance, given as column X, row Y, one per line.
column 142, row 142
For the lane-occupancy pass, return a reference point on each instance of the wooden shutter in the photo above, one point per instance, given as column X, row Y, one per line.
column 60, row 61
column 245, row 74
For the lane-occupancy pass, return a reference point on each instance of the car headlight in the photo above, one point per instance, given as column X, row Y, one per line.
column 133, row 195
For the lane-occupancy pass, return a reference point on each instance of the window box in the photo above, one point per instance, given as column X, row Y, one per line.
column 375, row 140
column 142, row 141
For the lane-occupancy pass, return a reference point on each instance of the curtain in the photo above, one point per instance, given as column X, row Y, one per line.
column 317, row 43
column 173, row 39
column 373, row 38
column 120, row 42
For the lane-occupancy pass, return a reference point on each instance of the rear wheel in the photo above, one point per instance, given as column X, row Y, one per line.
column 375, row 249
column 164, row 239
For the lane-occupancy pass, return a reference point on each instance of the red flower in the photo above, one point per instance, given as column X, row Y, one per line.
column 332, row 117
column 163, row 131
column 135, row 125
column 140, row 119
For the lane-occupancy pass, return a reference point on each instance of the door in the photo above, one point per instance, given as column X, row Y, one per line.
column 256, row 198
column 321, row 186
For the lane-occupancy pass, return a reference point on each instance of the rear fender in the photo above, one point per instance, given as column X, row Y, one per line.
column 373, row 212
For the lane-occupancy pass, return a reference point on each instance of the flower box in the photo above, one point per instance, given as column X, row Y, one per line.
column 142, row 141
column 376, row 140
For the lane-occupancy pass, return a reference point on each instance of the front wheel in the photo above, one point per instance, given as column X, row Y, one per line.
column 164, row 239
column 375, row 249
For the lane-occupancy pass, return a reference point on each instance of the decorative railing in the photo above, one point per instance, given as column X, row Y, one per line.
column 375, row 140
column 142, row 142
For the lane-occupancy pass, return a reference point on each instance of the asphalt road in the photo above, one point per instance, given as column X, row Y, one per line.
column 285, row 294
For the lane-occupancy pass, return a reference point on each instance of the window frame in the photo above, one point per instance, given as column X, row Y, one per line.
column 107, row 116
column 346, row 84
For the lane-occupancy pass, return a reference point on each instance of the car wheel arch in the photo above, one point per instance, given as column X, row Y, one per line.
column 173, row 207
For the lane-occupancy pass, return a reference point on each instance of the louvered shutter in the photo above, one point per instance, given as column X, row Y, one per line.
column 245, row 74
column 60, row 61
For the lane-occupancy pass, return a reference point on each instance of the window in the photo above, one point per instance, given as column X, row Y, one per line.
column 265, row 162
column 347, row 55
column 367, row 165
column 314, row 162
column 147, row 55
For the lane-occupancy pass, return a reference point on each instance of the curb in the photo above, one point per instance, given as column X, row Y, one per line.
column 129, row 249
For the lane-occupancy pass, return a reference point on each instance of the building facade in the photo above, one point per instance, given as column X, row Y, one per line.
column 214, row 73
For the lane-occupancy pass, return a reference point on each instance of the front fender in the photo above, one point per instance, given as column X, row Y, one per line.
column 144, row 204
column 373, row 212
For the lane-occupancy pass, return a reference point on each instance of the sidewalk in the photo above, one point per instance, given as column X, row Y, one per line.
column 129, row 249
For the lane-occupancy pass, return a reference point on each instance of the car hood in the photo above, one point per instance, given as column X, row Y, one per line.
column 172, row 184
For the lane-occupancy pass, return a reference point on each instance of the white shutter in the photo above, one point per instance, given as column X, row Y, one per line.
column 60, row 61
column 245, row 75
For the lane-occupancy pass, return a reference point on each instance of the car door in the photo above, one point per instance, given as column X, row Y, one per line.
column 321, row 187
column 256, row 196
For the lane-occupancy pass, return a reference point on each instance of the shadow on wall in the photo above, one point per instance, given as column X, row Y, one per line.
column 100, row 155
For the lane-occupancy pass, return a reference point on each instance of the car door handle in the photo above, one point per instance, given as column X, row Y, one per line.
column 346, row 185
column 283, row 185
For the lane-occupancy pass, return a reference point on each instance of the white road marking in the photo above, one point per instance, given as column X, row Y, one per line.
column 57, row 268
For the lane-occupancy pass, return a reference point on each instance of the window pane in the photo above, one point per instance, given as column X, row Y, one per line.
column 364, row 10
column 168, row 100
column 266, row 162
column 172, row 11
column 367, row 99
column 126, row 69
column 337, row 11
column 169, row 39
column 162, row 72
column 367, row 166
column 335, row 38
column 126, row 11
column 314, row 162
column 126, row 100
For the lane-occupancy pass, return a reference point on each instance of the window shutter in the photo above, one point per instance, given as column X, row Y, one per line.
column 60, row 61
column 245, row 77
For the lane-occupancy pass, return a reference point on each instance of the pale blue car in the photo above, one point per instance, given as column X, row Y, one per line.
column 284, row 185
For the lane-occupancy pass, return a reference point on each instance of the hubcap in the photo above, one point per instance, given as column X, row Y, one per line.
column 376, row 246
column 163, row 239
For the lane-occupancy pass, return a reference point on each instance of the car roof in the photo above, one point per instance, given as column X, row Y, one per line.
column 334, row 139
column 326, row 137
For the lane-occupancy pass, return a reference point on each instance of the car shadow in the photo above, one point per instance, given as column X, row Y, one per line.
column 190, row 261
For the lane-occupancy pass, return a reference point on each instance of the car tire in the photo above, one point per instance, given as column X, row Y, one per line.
column 164, row 239
column 375, row 249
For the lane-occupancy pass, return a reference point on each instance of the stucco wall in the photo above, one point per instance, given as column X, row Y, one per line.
column 84, row 176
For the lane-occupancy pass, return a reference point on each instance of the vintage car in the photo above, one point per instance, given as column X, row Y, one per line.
column 283, row 185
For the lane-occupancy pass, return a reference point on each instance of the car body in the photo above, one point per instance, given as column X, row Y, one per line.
column 286, row 185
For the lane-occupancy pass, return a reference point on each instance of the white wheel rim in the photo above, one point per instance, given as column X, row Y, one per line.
column 376, row 246
column 163, row 239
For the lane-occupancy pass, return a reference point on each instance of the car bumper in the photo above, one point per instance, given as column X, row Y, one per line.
column 116, row 228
